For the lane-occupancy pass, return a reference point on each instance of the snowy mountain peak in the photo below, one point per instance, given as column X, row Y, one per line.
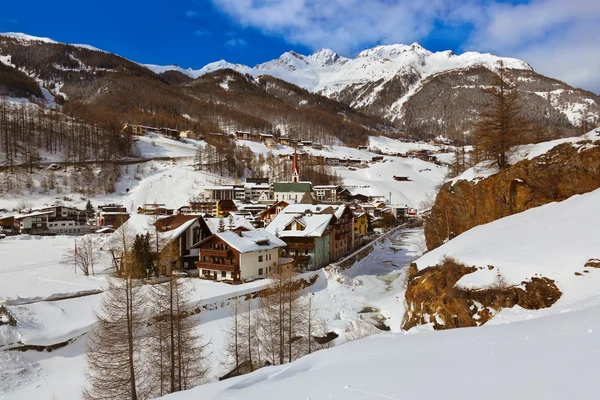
column 325, row 58
column 26, row 37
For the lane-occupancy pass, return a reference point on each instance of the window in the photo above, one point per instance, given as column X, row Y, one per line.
column 306, row 251
column 260, row 271
column 260, row 258
column 223, row 274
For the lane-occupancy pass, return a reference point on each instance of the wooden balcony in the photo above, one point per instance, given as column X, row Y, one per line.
column 218, row 267
column 214, row 252
column 304, row 245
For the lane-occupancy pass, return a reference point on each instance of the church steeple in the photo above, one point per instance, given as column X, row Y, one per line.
column 295, row 172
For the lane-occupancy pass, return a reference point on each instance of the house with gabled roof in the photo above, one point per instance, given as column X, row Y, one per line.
column 238, row 256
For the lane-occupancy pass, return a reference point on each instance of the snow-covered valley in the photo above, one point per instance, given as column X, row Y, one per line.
column 520, row 354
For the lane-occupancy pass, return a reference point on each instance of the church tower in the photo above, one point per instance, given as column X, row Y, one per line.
column 295, row 172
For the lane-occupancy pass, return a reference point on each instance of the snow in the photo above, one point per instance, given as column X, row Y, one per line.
column 314, row 225
column 25, row 37
column 389, row 145
column 49, row 322
column 327, row 73
column 526, row 360
column 31, row 270
column 377, row 179
column 29, row 38
column 524, row 152
column 555, row 240
column 238, row 222
column 250, row 241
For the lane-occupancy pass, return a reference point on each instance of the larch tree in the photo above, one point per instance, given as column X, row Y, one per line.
column 182, row 352
column 501, row 125
column 116, row 368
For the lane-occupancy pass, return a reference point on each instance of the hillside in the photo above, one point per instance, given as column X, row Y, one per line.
column 422, row 92
column 539, row 174
column 99, row 86
column 324, row 95
column 526, row 353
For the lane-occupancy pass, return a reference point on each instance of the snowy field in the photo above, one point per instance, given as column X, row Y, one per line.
column 375, row 282
column 520, row 354
column 547, row 358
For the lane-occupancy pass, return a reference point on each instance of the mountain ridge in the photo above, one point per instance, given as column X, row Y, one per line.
column 420, row 92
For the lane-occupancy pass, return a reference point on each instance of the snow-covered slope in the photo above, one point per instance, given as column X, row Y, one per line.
column 23, row 37
column 549, row 358
column 328, row 73
column 516, row 355
column 525, row 152
column 555, row 241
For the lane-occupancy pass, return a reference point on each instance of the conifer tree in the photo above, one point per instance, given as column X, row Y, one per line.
column 501, row 125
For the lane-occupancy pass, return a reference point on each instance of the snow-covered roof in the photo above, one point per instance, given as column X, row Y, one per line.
column 314, row 225
column 250, row 241
column 336, row 209
column 33, row 214
column 238, row 222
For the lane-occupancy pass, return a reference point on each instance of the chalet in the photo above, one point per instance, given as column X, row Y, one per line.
column 154, row 209
column 184, row 210
column 180, row 239
column 203, row 207
column 224, row 207
column 7, row 223
column 35, row 223
column 238, row 256
column 362, row 147
column 361, row 223
column 317, row 146
column 251, row 136
column 170, row 132
column 113, row 215
column 256, row 191
column 50, row 221
column 191, row 135
column 305, row 143
column 318, row 233
column 332, row 161
column 264, row 137
column 268, row 214
column 401, row 178
column 286, row 141
column 399, row 211
column 139, row 130
column 66, row 220
column 376, row 158
column 253, row 209
column 343, row 195
column 222, row 192
column 361, row 198
column 307, row 237
column 172, row 222
column 326, row 192
column 353, row 161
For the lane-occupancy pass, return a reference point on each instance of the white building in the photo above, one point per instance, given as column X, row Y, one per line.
column 238, row 256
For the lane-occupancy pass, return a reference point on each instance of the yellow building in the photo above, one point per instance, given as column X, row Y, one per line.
column 361, row 224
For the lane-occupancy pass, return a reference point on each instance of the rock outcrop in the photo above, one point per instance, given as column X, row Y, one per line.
column 567, row 169
column 433, row 297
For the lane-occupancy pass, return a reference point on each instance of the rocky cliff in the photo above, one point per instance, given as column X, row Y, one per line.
column 569, row 167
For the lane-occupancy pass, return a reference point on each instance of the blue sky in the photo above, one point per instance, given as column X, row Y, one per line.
column 557, row 37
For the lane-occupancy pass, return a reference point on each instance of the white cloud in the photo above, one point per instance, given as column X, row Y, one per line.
column 202, row 33
column 557, row 37
column 345, row 25
column 235, row 42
